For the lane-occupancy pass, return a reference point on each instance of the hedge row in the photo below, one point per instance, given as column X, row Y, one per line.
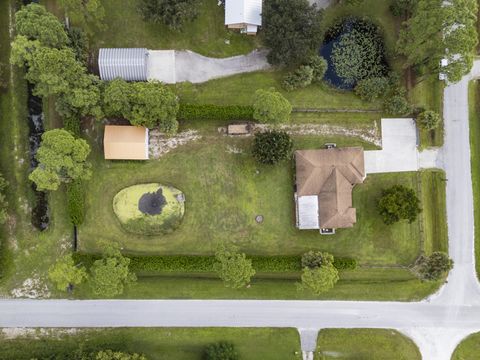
column 214, row 112
column 182, row 263
column 76, row 202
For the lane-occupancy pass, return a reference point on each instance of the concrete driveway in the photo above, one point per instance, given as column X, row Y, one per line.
column 172, row 66
column 400, row 150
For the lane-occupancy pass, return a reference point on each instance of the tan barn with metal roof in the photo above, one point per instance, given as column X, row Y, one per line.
column 125, row 142
column 324, row 183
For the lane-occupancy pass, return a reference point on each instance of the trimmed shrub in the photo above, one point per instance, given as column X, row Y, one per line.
column 428, row 120
column 76, row 202
column 319, row 66
column 372, row 88
column 72, row 124
column 314, row 259
column 300, row 78
column 214, row 112
column 205, row 263
column 221, row 351
column 397, row 203
column 271, row 107
column 271, row 147
column 397, row 104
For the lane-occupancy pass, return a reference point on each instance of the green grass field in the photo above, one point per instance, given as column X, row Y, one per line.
column 224, row 192
column 428, row 94
column 381, row 284
column 365, row 344
column 474, row 107
column 154, row 343
column 468, row 349
column 239, row 89
column 206, row 35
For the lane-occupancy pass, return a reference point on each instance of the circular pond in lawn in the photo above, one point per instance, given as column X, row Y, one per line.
column 149, row 209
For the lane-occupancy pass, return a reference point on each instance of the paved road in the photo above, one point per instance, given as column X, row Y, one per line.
column 437, row 324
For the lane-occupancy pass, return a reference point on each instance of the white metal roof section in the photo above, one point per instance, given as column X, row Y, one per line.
column 243, row 11
column 308, row 212
column 128, row 64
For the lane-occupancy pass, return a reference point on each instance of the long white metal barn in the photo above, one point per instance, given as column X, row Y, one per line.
column 128, row 64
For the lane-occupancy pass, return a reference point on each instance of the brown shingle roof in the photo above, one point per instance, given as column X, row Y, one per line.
column 331, row 174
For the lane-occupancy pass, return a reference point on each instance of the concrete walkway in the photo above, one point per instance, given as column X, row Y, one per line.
column 172, row 66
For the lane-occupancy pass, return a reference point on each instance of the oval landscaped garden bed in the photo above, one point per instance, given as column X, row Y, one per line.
column 149, row 209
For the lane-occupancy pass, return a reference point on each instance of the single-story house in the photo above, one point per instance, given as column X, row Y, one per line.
column 125, row 142
column 245, row 15
column 127, row 64
column 324, row 182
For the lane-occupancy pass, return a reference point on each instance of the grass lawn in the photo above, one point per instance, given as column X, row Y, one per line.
column 365, row 344
column 207, row 35
column 239, row 89
column 428, row 94
column 468, row 349
column 154, row 343
column 381, row 284
column 33, row 252
column 225, row 191
column 474, row 107
column 434, row 215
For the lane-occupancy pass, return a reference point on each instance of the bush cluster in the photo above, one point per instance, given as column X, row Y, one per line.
column 215, row 112
column 205, row 263
column 312, row 71
column 76, row 202
column 271, row 147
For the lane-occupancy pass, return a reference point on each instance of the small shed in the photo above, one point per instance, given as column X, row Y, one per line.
column 127, row 64
column 245, row 15
column 239, row 129
column 125, row 142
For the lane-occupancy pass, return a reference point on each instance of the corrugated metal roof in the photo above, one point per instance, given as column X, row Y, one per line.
column 243, row 11
column 307, row 212
column 127, row 64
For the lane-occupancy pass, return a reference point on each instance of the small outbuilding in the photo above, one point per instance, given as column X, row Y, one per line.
column 245, row 15
column 125, row 142
column 127, row 64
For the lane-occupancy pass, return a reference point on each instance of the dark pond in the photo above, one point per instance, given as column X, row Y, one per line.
column 333, row 37
column 330, row 75
column 152, row 203
column 40, row 217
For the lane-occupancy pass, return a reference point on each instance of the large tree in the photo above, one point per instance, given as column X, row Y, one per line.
column 36, row 23
column 320, row 279
column 154, row 104
column 432, row 267
column 61, row 158
column 87, row 14
column 398, row 202
column 64, row 273
column 117, row 98
column 291, row 29
column 57, row 72
column 359, row 52
column 233, row 267
column 441, row 30
column 270, row 106
column 110, row 275
column 221, row 351
column 173, row 13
